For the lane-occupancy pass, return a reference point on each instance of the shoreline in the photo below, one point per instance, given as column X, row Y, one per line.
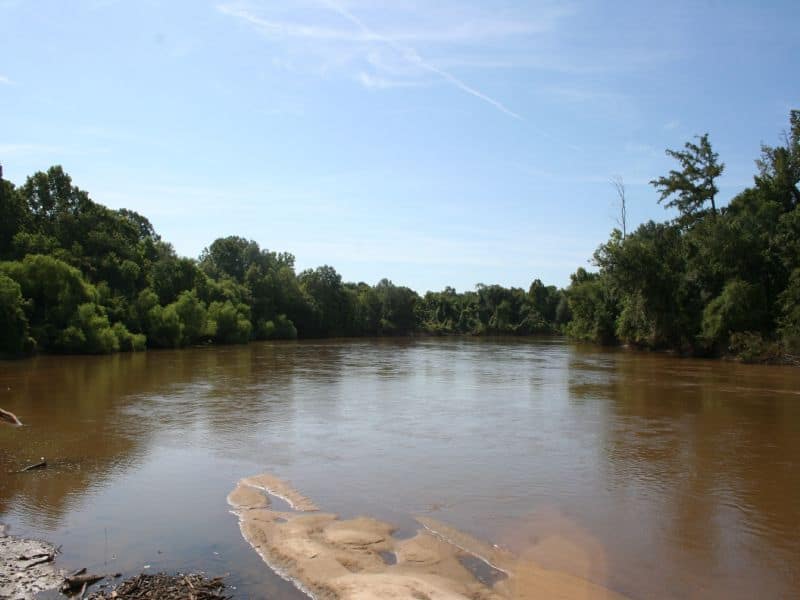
column 785, row 360
column 27, row 567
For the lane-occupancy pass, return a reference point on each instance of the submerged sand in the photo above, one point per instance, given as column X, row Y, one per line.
column 359, row 559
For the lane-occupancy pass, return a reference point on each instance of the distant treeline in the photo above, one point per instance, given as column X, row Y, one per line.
column 78, row 277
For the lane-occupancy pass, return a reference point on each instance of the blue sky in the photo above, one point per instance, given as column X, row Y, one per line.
column 433, row 143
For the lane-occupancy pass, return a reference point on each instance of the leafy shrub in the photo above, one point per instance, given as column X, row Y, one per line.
column 128, row 342
column 228, row 324
column 751, row 347
column 193, row 316
column 633, row 325
column 15, row 339
column 789, row 320
column 280, row 328
column 89, row 332
column 163, row 327
column 737, row 309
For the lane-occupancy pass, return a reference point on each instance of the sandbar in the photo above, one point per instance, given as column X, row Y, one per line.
column 345, row 559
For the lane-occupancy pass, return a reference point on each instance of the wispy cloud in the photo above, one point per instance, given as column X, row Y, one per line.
column 414, row 58
column 5, row 80
column 452, row 79
column 472, row 31
column 372, row 82
column 390, row 58
column 582, row 94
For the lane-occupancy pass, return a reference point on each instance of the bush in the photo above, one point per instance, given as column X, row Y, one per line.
column 228, row 324
column 54, row 291
column 739, row 308
column 128, row 342
column 633, row 325
column 281, row 328
column 751, row 347
column 193, row 316
column 14, row 337
column 164, row 328
column 89, row 332
column 789, row 320
column 593, row 307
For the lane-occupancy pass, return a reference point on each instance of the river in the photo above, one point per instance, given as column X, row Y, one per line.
column 651, row 475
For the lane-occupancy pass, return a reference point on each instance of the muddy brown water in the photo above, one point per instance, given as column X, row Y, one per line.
column 652, row 475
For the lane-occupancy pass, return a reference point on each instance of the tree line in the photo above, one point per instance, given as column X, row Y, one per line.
column 78, row 277
column 714, row 280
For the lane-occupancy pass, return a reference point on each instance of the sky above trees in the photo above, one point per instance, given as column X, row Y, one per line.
column 437, row 144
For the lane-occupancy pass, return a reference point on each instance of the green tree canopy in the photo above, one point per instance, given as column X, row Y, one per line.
column 779, row 167
column 691, row 187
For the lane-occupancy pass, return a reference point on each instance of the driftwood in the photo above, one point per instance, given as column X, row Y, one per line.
column 79, row 582
column 40, row 465
column 9, row 417
column 167, row 587
column 32, row 556
column 38, row 559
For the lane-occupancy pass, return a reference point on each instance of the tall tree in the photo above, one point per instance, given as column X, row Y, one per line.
column 14, row 216
column 779, row 167
column 693, row 186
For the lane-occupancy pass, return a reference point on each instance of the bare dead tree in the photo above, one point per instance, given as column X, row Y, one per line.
column 622, row 220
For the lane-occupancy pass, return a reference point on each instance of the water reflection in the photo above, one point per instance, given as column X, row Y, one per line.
column 702, row 450
column 71, row 409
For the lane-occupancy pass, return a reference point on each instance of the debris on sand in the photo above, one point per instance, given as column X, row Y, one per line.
column 166, row 587
column 26, row 567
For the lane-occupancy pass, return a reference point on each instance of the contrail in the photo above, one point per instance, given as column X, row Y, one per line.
column 411, row 55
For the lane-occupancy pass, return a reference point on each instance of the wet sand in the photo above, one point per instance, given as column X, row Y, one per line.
column 359, row 559
column 22, row 572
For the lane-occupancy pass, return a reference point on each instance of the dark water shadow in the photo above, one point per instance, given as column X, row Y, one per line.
column 481, row 570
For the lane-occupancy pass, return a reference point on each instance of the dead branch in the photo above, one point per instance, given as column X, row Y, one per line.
column 42, row 558
column 10, row 418
column 32, row 556
column 40, row 465
column 78, row 581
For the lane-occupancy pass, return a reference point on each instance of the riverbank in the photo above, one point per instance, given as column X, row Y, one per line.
column 763, row 353
column 26, row 567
